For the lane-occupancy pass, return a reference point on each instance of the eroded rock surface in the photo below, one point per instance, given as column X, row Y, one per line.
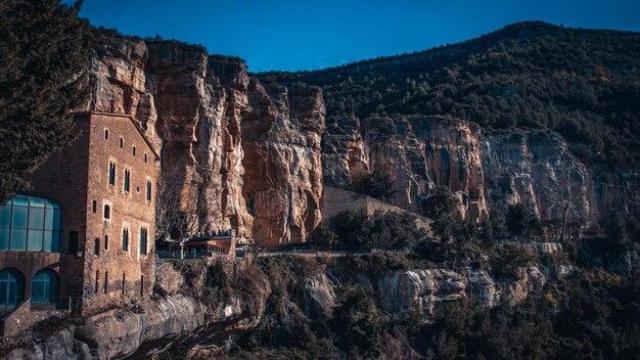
column 221, row 141
column 483, row 170
column 422, row 291
column 281, row 142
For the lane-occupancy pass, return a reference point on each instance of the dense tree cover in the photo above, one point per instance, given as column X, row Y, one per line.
column 44, row 48
column 580, row 83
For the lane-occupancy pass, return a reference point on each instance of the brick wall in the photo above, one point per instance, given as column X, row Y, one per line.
column 129, row 273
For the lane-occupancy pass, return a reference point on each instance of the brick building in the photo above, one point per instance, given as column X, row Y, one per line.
column 83, row 237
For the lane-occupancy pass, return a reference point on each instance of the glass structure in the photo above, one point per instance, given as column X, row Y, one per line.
column 29, row 223
column 44, row 287
column 11, row 289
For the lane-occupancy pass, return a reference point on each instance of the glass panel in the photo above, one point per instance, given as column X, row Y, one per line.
column 12, row 299
column 55, row 242
column 48, row 241
column 19, row 218
column 4, row 239
column 52, row 221
column 5, row 215
column 18, row 240
column 36, row 202
column 34, row 240
column 38, row 290
column 21, row 200
column 36, row 218
column 4, row 292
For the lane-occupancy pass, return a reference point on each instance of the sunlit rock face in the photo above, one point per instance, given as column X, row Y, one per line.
column 282, row 158
column 418, row 152
column 484, row 170
column 424, row 292
column 200, row 100
column 194, row 108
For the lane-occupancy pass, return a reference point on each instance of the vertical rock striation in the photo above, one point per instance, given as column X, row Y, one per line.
column 483, row 170
column 281, row 142
column 194, row 108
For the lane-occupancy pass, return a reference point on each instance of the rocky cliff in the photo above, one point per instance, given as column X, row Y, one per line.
column 224, row 140
column 484, row 169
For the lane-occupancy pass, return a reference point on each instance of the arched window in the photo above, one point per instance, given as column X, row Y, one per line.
column 106, row 282
column 127, row 180
column 11, row 289
column 145, row 157
column 97, row 281
column 121, row 143
column 107, row 211
column 125, row 239
column 44, row 287
column 148, row 190
column 96, row 247
column 143, row 241
column 112, row 173
column 133, row 150
column 106, row 134
column 106, row 242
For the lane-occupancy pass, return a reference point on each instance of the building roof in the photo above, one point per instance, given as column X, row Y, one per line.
column 133, row 120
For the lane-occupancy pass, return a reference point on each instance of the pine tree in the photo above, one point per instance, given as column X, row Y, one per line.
column 44, row 51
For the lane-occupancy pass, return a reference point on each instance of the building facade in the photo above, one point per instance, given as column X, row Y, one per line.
column 83, row 237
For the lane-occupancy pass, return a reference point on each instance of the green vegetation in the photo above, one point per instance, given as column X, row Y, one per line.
column 45, row 48
column 378, row 185
column 583, row 84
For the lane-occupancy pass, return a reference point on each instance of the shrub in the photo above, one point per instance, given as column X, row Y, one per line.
column 378, row 185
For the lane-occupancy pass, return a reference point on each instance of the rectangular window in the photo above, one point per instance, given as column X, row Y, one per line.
column 125, row 239
column 94, row 206
column 73, row 242
column 112, row 173
column 148, row 190
column 127, row 180
column 107, row 212
column 143, row 241
column 97, row 280
column 106, row 281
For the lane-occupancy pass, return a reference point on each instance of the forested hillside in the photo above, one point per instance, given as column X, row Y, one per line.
column 584, row 84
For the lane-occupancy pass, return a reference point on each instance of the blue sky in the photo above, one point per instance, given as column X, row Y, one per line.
column 312, row 34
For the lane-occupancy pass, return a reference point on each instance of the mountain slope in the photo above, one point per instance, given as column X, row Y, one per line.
column 522, row 86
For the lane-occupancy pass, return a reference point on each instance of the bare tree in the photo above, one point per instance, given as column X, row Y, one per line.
column 176, row 211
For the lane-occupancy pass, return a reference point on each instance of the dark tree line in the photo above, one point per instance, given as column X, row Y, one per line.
column 44, row 50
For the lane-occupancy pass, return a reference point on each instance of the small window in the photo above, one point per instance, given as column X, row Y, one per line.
column 112, row 173
column 107, row 212
column 121, row 143
column 145, row 157
column 141, row 285
column 106, row 134
column 124, row 284
column 148, row 190
column 127, row 180
column 133, row 150
column 73, row 242
column 106, row 242
column 97, row 281
column 143, row 241
column 106, row 281
column 96, row 247
column 94, row 206
column 125, row 239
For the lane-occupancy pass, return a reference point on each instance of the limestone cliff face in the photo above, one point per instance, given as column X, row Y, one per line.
column 200, row 101
column 281, row 142
column 222, row 142
column 483, row 170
